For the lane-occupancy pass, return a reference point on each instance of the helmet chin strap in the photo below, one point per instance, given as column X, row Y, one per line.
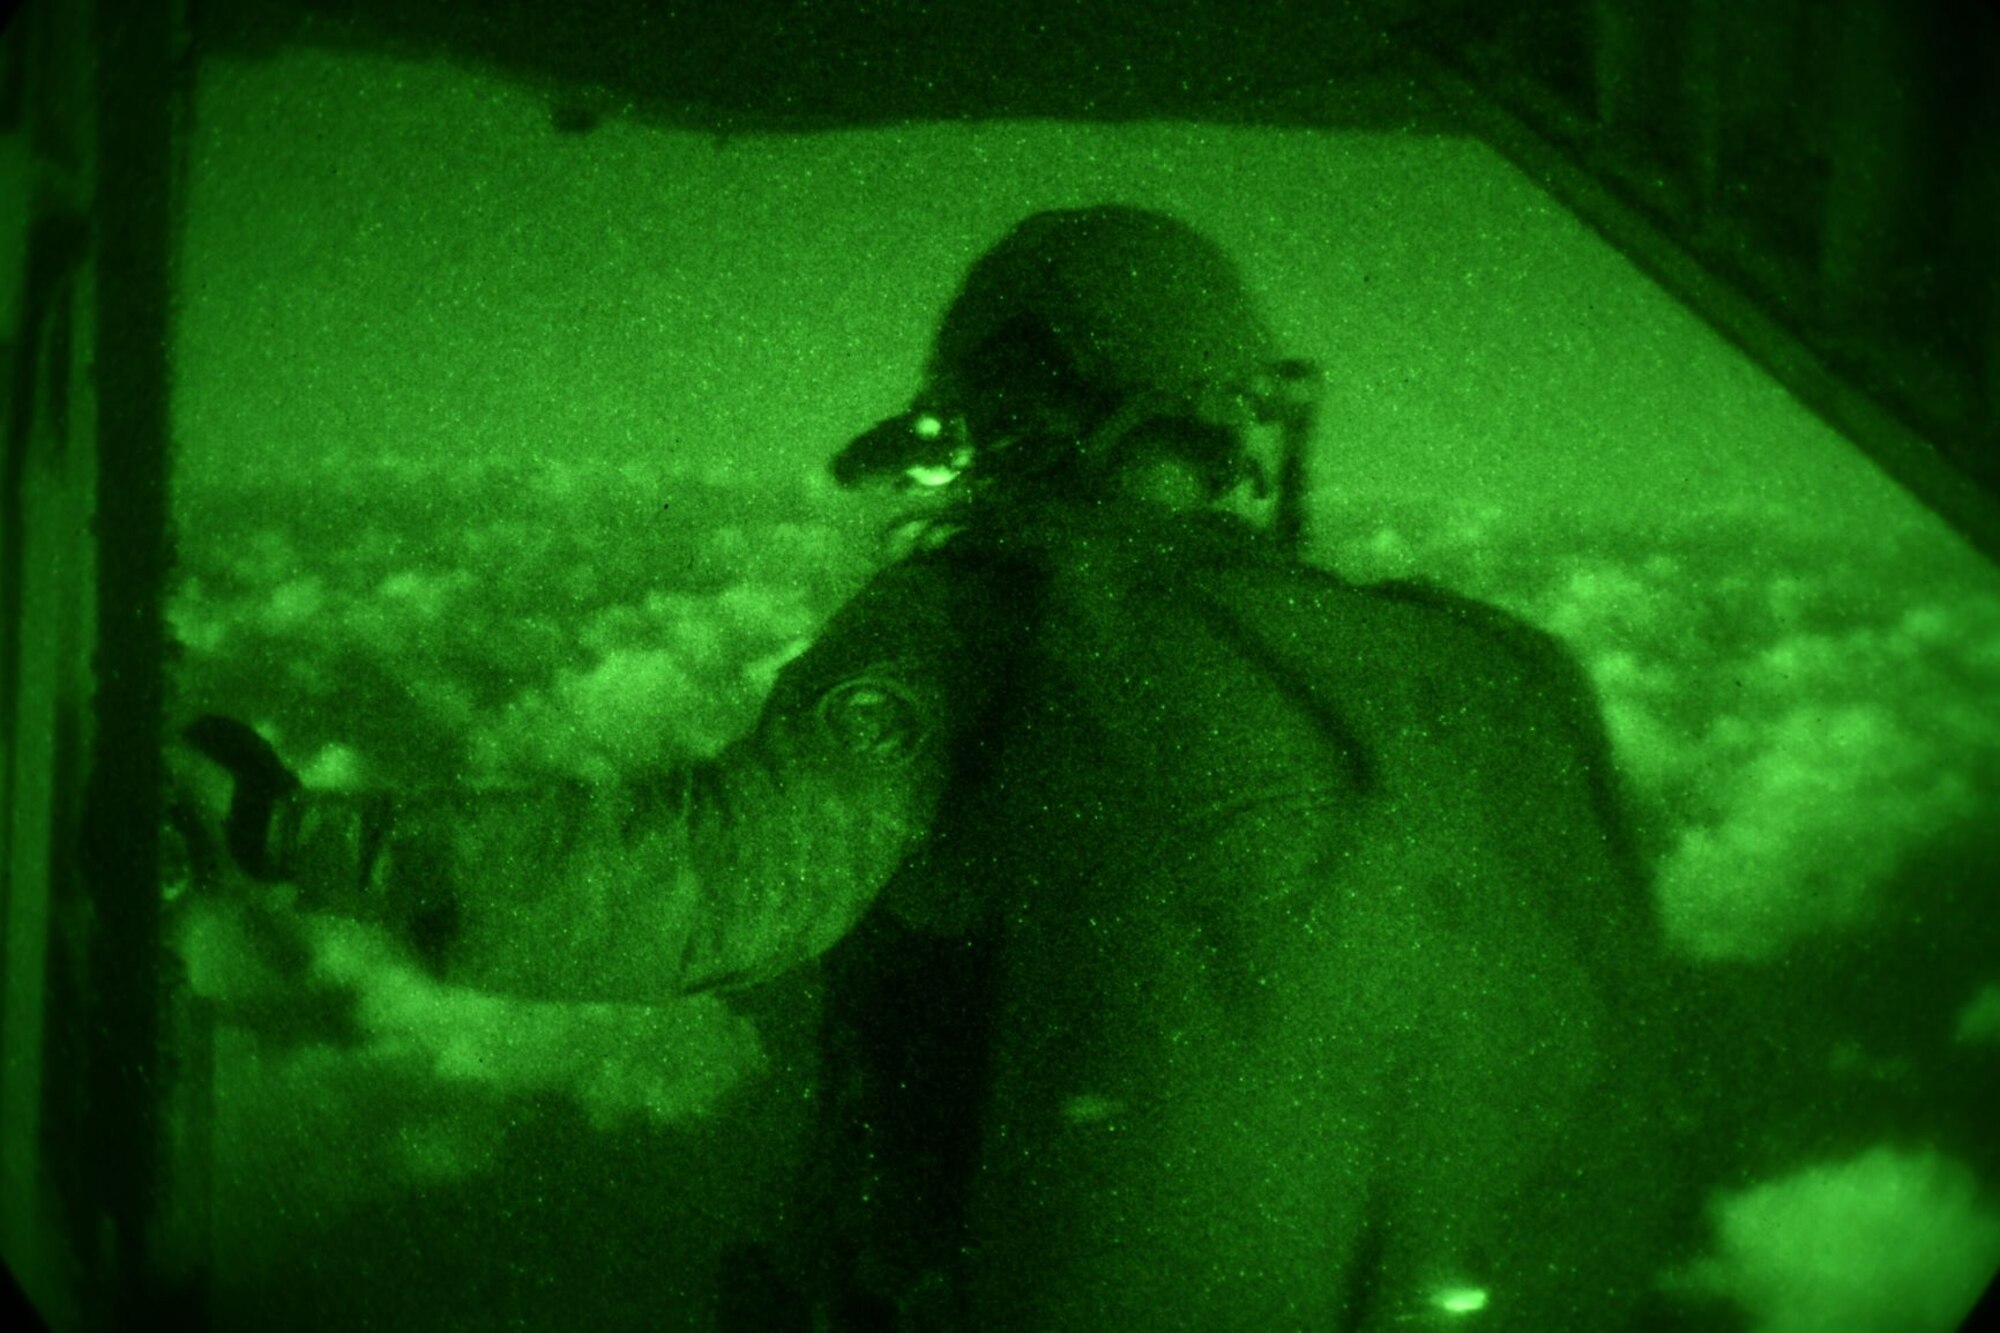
column 1293, row 404
column 1100, row 448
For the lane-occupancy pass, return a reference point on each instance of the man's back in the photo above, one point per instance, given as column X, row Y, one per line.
column 1306, row 938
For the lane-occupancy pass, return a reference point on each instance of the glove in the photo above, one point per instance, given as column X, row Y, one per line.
column 237, row 800
column 262, row 784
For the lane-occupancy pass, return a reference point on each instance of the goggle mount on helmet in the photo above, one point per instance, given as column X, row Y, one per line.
column 928, row 447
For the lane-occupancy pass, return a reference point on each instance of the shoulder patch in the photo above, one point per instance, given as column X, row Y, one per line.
column 874, row 717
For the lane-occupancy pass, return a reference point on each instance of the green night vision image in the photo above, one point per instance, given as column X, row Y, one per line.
column 601, row 894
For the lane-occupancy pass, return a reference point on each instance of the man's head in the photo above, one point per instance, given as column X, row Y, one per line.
column 1091, row 350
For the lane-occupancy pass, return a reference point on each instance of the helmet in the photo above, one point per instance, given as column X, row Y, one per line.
column 1079, row 327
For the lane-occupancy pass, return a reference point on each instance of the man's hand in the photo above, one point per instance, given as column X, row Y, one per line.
column 249, row 952
column 229, row 784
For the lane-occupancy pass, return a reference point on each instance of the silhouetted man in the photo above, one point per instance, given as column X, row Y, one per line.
column 1212, row 943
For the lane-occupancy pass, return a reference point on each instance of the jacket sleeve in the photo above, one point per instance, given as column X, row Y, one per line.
column 719, row 873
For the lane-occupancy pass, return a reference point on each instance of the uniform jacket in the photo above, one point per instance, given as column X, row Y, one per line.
column 1212, row 943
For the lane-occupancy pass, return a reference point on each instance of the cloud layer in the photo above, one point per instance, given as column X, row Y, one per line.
column 1799, row 723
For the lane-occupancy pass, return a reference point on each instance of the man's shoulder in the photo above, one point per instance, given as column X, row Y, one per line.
column 1537, row 653
column 919, row 623
column 1451, row 604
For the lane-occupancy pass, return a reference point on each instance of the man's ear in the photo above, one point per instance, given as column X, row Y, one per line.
column 1164, row 478
column 1212, row 455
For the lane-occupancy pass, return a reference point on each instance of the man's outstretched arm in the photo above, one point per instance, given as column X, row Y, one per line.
column 713, row 874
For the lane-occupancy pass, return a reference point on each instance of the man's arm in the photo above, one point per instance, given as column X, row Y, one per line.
column 715, row 874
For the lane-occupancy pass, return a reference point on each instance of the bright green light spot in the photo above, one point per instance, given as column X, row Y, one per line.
column 1459, row 1300
column 1090, row 1108
column 928, row 427
column 931, row 476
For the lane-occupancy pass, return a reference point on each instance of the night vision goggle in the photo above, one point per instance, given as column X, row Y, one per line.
column 925, row 447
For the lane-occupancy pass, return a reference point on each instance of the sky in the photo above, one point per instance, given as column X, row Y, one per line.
column 391, row 258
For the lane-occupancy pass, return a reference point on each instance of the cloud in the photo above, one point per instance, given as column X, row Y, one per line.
column 633, row 707
column 337, row 768
column 1804, row 725
column 620, row 1063
column 1979, row 1021
column 348, row 1037
column 1891, row 1241
column 1812, row 821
